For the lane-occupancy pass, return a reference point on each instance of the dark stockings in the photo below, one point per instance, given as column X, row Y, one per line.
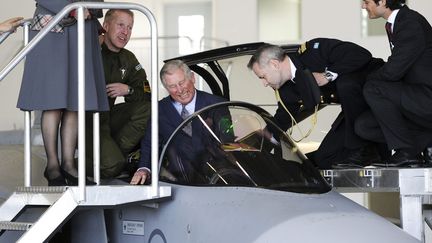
column 69, row 140
column 51, row 120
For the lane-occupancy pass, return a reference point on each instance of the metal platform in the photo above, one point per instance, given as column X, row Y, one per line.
column 63, row 202
column 413, row 184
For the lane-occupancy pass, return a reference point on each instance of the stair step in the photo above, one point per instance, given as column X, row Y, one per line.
column 16, row 226
column 41, row 189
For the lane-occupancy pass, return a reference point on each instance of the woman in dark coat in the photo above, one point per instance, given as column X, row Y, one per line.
column 50, row 84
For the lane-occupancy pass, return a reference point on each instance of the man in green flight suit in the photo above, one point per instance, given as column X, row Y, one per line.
column 122, row 128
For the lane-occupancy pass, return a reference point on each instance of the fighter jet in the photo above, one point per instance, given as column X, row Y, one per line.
column 240, row 178
column 236, row 184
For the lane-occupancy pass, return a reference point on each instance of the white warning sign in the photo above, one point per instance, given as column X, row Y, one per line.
column 133, row 227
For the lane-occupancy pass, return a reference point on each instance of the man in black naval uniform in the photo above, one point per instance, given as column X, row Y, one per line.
column 339, row 68
column 122, row 128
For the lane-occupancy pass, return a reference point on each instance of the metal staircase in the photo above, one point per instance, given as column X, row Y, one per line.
column 63, row 201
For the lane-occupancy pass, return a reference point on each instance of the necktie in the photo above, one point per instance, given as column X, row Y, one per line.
column 184, row 114
column 388, row 27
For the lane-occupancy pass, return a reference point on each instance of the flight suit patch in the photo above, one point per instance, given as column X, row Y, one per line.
column 146, row 87
column 138, row 67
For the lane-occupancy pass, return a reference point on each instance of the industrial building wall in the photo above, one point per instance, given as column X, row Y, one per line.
column 235, row 21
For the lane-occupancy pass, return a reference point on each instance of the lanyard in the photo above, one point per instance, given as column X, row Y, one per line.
column 294, row 122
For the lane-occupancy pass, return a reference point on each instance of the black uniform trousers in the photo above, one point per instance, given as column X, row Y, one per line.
column 349, row 91
column 341, row 138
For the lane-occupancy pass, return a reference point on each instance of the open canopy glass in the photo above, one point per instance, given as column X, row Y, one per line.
column 232, row 145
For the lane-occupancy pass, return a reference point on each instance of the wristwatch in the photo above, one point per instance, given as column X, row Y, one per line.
column 329, row 76
column 130, row 90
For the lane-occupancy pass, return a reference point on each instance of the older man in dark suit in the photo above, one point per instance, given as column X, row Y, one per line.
column 183, row 99
column 400, row 92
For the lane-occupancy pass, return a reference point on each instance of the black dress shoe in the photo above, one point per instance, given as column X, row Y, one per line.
column 73, row 180
column 427, row 156
column 403, row 158
column 57, row 181
column 359, row 158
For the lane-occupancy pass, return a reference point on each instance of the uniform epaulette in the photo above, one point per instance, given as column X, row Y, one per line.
column 302, row 48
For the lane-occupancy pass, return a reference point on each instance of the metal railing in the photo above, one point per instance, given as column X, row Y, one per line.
column 27, row 115
column 79, row 7
column 25, row 24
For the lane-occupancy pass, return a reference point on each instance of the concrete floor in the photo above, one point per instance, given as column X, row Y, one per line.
column 12, row 168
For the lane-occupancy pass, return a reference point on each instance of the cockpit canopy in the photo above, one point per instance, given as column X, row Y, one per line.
column 231, row 145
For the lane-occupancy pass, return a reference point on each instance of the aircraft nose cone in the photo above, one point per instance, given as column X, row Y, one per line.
column 331, row 228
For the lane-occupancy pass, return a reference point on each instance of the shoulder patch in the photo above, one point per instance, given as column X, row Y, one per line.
column 146, row 87
column 302, row 48
column 316, row 45
column 138, row 67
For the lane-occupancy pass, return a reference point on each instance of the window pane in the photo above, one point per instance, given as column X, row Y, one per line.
column 279, row 20
column 372, row 27
column 192, row 26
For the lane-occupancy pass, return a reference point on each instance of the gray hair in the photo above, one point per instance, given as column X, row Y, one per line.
column 265, row 53
column 173, row 65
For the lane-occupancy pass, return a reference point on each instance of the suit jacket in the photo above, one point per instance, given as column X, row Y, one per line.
column 316, row 55
column 411, row 63
column 169, row 120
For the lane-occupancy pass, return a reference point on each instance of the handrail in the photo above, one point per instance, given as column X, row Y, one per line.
column 27, row 124
column 6, row 34
column 79, row 6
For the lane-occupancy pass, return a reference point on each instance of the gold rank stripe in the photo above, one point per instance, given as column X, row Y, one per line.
column 302, row 48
